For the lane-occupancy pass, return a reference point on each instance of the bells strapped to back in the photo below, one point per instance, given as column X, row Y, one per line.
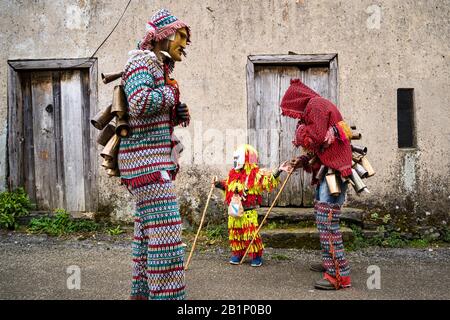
column 111, row 134
column 333, row 184
column 361, row 169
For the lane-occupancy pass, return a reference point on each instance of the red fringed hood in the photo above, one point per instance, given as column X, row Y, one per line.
column 296, row 98
column 318, row 115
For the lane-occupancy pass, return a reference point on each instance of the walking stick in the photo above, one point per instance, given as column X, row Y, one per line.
column 267, row 214
column 200, row 226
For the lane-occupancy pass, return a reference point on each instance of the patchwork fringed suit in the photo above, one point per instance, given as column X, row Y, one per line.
column 241, row 230
column 147, row 168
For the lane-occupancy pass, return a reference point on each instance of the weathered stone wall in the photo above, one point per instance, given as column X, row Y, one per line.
column 407, row 47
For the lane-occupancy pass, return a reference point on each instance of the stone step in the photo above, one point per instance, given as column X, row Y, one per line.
column 298, row 238
column 296, row 215
column 25, row 220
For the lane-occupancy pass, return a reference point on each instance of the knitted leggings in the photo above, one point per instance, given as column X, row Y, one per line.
column 337, row 268
column 241, row 232
column 158, row 252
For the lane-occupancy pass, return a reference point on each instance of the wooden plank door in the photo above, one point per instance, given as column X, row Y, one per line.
column 47, row 179
column 273, row 133
column 57, row 157
column 267, row 121
column 73, row 146
column 293, row 193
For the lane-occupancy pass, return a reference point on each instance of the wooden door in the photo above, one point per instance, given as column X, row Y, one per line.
column 44, row 124
column 272, row 134
column 56, row 137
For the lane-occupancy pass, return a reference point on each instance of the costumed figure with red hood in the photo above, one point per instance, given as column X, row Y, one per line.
column 243, row 188
column 147, row 158
column 324, row 135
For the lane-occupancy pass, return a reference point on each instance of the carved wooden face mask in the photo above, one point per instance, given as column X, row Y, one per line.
column 178, row 44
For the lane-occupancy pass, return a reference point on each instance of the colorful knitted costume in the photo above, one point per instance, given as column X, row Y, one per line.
column 327, row 219
column 322, row 131
column 148, row 149
column 147, row 164
column 249, row 182
column 162, row 25
column 158, row 253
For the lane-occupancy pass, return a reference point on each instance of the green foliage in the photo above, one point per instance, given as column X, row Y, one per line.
column 306, row 224
column 374, row 216
column 385, row 239
column 271, row 225
column 379, row 217
column 60, row 224
column 386, row 218
column 217, row 232
column 394, row 240
column 115, row 231
column 381, row 230
column 13, row 205
column 446, row 237
column 419, row 243
column 359, row 242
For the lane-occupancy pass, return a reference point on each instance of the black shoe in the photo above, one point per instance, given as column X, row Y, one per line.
column 317, row 267
column 324, row 284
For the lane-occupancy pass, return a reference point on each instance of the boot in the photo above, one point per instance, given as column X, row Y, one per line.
column 317, row 267
column 324, row 284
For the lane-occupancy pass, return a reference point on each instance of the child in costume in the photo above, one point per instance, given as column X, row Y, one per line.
column 247, row 181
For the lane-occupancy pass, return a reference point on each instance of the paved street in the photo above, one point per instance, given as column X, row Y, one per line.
column 35, row 267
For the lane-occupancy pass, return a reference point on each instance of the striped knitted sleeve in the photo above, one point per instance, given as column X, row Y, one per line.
column 312, row 134
column 143, row 97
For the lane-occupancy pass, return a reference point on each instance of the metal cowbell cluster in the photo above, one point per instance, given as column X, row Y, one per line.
column 111, row 133
column 361, row 169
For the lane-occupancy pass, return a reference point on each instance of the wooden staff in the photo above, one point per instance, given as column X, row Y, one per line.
column 267, row 214
column 200, row 226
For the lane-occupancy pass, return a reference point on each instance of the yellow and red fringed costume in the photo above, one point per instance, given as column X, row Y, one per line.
column 249, row 182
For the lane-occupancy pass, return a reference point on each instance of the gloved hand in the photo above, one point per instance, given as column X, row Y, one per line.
column 217, row 183
column 183, row 112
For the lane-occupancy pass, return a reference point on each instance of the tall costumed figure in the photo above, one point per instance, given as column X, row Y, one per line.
column 147, row 158
column 326, row 138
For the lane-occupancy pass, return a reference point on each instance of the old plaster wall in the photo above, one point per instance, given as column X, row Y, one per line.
column 381, row 46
